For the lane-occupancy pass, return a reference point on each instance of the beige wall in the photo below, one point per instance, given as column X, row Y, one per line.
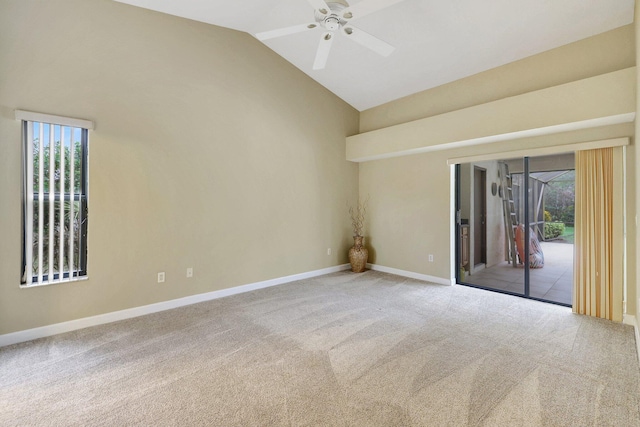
column 412, row 193
column 632, row 167
column 604, row 53
column 209, row 151
column 409, row 213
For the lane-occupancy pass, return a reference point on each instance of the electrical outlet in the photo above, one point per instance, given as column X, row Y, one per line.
column 190, row 272
column 328, row 251
column 161, row 277
column 430, row 258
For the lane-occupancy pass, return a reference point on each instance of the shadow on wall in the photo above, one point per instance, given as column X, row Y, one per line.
column 371, row 249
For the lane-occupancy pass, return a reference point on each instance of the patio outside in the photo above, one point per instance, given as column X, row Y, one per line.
column 553, row 282
column 551, row 219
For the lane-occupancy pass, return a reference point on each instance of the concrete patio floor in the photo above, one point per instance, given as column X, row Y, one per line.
column 553, row 282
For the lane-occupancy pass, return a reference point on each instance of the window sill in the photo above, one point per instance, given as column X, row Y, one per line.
column 57, row 282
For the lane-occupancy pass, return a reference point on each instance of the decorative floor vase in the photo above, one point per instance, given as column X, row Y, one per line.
column 358, row 255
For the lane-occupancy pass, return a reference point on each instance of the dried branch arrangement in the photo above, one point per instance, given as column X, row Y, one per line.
column 357, row 216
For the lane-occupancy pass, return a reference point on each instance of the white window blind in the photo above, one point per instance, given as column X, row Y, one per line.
column 55, row 199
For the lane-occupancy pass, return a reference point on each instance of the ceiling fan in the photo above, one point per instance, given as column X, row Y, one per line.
column 336, row 16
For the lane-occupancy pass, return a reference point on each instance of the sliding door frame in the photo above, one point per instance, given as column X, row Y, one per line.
column 527, row 238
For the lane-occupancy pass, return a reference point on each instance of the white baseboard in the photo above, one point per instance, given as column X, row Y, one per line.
column 628, row 319
column 411, row 274
column 72, row 325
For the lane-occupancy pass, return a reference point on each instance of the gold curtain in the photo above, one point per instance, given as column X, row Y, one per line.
column 593, row 277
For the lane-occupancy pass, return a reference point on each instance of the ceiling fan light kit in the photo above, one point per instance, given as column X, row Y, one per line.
column 335, row 16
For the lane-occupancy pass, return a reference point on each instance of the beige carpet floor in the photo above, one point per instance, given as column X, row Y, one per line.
column 344, row 349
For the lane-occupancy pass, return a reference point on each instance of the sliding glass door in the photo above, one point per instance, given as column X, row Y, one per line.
column 514, row 226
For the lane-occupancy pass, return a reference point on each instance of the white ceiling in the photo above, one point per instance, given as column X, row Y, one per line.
column 436, row 41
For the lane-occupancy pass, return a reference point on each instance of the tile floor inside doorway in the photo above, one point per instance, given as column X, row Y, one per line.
column 553, row 282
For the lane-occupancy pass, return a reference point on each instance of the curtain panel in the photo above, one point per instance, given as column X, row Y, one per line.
column 594, row 273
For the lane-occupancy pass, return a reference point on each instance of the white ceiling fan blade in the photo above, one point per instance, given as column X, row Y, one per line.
column 368, row 41
column 320, row 5
column 323, row 51
column 266, row 35
column 366, row 7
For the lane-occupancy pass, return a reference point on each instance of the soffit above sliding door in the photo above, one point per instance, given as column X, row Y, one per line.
column 605, row 100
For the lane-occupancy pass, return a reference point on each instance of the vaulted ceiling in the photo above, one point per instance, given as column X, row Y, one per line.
column 435, row 42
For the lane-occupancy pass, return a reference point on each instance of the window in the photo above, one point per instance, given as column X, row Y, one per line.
column 55, row 202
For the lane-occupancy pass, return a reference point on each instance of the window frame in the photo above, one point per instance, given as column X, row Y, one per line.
column 81, row 197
